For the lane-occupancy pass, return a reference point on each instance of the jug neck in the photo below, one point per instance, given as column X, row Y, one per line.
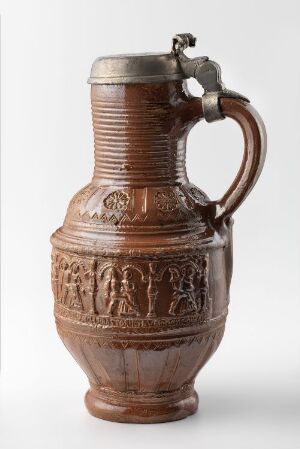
column 140, row 133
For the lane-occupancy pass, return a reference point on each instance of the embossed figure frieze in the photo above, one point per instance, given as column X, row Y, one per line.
column 130, row 290
column 73, row 282
column 71, row 285
column 152, row 289
column 190, row 293
column 184, row 299
column 120, row 292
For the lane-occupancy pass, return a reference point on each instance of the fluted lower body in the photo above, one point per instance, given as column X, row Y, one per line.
column 138, row 379
column 141, row 353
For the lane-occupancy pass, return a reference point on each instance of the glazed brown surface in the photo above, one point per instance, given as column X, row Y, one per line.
column 142, row 265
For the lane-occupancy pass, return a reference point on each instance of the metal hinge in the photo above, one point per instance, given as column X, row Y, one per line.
column 207, row 73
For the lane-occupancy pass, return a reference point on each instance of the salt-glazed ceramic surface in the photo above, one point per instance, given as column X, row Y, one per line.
column 141, row 267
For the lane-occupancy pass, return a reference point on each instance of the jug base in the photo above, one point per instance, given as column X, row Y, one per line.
column 141, row 412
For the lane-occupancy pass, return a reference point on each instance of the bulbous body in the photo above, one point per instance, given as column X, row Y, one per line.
column 142, row 265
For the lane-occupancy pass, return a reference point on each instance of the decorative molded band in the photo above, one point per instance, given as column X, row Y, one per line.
column 95, row 324
column 193, row 244
column 114, row 342
column 92, row 289
column 131, row 397
column 146, row 210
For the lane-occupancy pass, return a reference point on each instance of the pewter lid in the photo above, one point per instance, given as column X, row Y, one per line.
column 149, row 68
column 136, row 68
column 143, row 67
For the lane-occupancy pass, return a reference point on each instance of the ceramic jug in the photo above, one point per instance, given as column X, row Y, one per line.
column 141, row 267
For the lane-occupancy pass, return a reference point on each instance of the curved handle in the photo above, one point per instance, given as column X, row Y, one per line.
column 217, row 103
column 255, row 145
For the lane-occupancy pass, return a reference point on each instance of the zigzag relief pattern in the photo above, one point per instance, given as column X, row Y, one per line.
column 98, row 205
column 114, row 218
column 214, row 337
column 133, row 219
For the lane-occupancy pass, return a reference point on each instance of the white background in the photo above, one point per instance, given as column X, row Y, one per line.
column 249, row 391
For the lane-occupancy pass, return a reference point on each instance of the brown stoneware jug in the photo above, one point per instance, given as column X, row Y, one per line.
column 141, row 267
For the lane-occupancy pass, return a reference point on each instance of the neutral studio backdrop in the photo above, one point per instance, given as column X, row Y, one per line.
column 249, row 391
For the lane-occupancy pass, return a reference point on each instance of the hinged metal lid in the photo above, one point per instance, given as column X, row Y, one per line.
column 150, row 68
column 136, row 68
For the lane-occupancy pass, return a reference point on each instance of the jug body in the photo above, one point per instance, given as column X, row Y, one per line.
column 141, row 268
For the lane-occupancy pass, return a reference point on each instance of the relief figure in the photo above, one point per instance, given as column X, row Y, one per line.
column 122, row 295
column 74, row 289
column 184, row 300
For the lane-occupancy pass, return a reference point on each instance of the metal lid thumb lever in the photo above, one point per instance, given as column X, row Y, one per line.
column 207, row 73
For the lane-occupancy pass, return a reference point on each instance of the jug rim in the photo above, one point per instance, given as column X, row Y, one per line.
column 136, row 68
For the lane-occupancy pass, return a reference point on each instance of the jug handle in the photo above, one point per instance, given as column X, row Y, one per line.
column 255, row 142
column 217, row 103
